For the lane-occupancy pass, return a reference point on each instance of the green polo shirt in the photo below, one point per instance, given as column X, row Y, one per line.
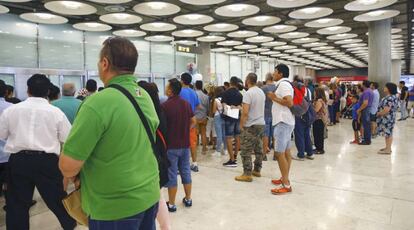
column 69, row 106
column 119, row 177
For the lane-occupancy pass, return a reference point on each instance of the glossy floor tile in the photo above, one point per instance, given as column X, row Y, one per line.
column 350, row 187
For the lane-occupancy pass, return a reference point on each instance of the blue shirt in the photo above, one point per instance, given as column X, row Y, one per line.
column 367, row 95
column 375, row 102
column 69, row 106
column 411, row 97
column 268, row 103
column 355, row 107
column 4, row 157
column 191, row 97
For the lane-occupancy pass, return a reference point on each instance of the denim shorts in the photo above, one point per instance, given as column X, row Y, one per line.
column 231, row 127
column 268, row 132
column 179, row 160
column 283, row 136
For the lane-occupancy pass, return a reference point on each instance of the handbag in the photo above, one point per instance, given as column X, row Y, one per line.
column 73, row 206
column 159, row 153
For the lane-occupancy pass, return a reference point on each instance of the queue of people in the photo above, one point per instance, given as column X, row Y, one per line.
column 48, row 142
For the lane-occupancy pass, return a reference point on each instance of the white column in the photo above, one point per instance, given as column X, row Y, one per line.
column 396, row 71
column 379, row 64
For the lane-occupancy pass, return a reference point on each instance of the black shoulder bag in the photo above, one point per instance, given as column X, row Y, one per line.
column 158, row 149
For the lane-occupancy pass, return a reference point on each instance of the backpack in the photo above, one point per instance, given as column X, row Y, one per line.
column 300, row 106
column 310, row 116
column 159, row 145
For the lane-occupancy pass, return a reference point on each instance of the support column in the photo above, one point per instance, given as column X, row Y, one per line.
column 379, row 43
column 396, row 71
column 203, row 62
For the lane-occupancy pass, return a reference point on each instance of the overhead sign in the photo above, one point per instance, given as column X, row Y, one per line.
column 188, row 49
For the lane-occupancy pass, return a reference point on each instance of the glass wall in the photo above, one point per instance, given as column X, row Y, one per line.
column 143, row 47
column 162, row 58
column 18, row 42
column 181, row 61
column 236, row 66
column 223, row 66
column 7, row 78
column 60, row 47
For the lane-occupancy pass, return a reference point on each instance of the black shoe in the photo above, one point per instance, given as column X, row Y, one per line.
column 187, row 203
column 320, row 152
column 171, row 208
column 230, row 163
column 364, row 143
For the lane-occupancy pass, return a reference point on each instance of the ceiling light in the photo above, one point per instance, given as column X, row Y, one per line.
column 157, row 5
column 376, row 13
column 221, row 25
column 71, row 5
column 121, row 16
column 324, row 20
column 237, row 7
column 261, row 18
column 45, row 16
column 310, row 10
column 334, row 28
column 92, row 24
column 193, row 16
column 158, row 24
column 367, row 2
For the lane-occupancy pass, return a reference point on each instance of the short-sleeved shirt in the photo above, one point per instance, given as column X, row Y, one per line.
column 355, row 108
column 120, row 173
column 375, row 101
column 230, row 97
column 281, row 113
column 178, row 113
column 69, row 106
column 367, row 95
column 201, row 111
column 255, row 98
column 269, row 103
column 191, row 97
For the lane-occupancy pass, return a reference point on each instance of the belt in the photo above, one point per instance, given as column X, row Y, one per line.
column 31, row 152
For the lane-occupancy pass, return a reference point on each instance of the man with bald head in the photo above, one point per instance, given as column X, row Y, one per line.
column 68, row 103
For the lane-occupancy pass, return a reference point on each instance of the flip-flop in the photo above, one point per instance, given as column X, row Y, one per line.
column 384, row 152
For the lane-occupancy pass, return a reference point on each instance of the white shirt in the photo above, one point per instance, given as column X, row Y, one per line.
column 219, row 106
column 33, row 125
column 255, row 98
column 281, row 113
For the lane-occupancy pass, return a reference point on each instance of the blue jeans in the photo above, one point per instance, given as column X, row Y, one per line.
column 180, row 160
column 142, row 221
column 302, row 138
column 221, row 136
column 366, row 123
column 332, row 115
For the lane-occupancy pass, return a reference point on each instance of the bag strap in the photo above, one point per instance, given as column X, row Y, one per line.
column 139, row 111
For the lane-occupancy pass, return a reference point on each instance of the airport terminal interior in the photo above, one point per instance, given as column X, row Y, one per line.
column 339, row 53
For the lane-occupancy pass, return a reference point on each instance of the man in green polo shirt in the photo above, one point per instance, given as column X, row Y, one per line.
column 109, row 147
column 68, row 103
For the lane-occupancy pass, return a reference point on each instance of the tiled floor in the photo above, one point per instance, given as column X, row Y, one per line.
column 350, row 187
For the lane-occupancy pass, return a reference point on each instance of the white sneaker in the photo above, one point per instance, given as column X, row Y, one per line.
column 217, row 154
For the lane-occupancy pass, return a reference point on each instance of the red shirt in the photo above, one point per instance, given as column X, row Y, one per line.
column 178, row 113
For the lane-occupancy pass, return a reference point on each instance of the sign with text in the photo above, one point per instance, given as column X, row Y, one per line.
column 188, row 49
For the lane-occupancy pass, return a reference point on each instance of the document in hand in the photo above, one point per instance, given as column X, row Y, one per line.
column 233, row 113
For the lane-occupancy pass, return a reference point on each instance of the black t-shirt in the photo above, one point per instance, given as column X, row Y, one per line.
column 404, row 92
column 232, row 96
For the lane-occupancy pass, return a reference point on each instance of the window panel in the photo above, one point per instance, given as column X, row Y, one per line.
column 77, row 80
column 223, row 66
column 143, row 65
column 93, row 45
column 7, row 78
column 60, row 47
column 162, row 58
column 182, row 60
column 18, row 42
column 235, row 66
